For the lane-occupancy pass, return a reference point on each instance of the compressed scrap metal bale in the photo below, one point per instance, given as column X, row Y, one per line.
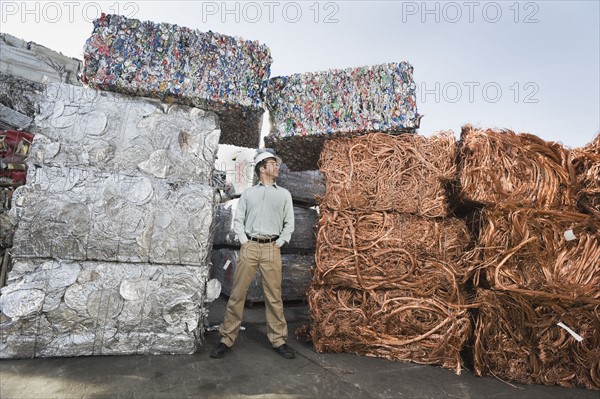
column 18, row 99
column 501, row 168
column 393, row 324
column 65, row 308
column 84, row 215
column 518, row 338
column 207, row 70
column 391, row 250
column 379, row 172
column 19, row 94
column 586, row 161
column 303, row 239
column 108, row 132
column 547, row 253
column 306, row 108
column 296, row 274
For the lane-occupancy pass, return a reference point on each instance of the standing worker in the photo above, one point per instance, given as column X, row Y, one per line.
column 264, row 222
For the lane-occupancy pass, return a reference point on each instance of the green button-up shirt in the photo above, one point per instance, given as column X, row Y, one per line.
column 264, row 212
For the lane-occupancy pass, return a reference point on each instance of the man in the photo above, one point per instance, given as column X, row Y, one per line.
column 264, row 222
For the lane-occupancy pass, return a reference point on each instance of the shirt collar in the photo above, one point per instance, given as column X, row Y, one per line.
column 261, row 184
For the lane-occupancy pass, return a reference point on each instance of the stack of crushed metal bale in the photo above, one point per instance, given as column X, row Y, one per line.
column 23, row 68
column 536, row 263
column 112, row 248
column 307, row 108
column 389, row 277
column 297, row 256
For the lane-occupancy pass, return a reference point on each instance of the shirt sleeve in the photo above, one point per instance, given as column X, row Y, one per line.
column 238, row 221
column 288, row 222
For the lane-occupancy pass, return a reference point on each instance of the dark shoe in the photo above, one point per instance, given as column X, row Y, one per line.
column 285, row 351
column 220, row 350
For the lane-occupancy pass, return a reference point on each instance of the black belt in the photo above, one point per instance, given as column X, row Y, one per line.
column 262, row 240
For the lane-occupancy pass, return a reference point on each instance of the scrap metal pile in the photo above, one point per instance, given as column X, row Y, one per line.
column 114, row 228
column 388, row 278
column 536, row 264
column 513, row 283
column 115, row 221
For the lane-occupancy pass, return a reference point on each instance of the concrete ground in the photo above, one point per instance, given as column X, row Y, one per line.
column 253, row 370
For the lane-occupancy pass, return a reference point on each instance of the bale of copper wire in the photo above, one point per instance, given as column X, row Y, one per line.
column 383, row 250
column 586, row 161
column 379, row 172
column 536, row 340
column 392, row 324
column 502, row 168
column 550, row 254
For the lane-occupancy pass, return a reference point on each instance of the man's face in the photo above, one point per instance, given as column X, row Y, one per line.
column 271, row 168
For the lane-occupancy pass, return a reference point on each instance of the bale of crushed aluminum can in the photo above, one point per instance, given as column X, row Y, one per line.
column 550, row 254
column 502, row 168
column 535, row 340
column 393, row 324
column 378, row 172
column 306, row 108
column 207, row 70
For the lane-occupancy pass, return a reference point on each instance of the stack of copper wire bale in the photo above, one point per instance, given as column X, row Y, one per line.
column 388, row 278
column 536, row 265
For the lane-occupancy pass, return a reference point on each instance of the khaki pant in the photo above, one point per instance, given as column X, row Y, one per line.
column 267, row 257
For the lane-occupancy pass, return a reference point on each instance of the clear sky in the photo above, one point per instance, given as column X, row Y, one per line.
column 529, row 66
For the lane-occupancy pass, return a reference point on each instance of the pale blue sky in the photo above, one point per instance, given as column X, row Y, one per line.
column 529, row 66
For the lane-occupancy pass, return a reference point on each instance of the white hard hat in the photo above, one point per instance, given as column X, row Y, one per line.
column 264, row 155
